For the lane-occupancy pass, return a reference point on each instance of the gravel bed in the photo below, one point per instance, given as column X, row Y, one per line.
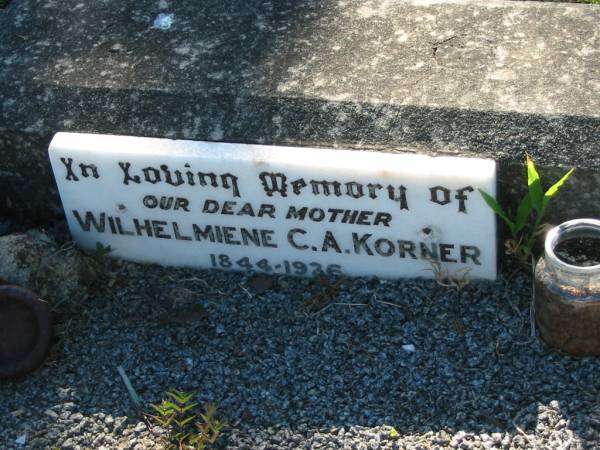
column 445, row 369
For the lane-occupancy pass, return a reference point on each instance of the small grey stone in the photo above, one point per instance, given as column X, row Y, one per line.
column 51, row 414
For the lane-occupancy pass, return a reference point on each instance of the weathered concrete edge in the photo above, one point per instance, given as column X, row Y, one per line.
column 29, row 188
column 501, row 136
column 504, row 136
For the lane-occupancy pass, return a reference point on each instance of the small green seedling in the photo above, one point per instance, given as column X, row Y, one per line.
column 101, row 250
column 524, row 232
column 97, row 269
column 97, row 257
column 187, row 428
column 208, row 429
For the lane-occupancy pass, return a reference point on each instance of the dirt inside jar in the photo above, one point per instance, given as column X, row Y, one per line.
column 582, row 252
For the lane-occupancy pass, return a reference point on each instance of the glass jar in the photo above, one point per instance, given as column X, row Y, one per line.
column 567, row 294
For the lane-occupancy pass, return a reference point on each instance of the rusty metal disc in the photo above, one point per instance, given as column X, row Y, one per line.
column 25, row 331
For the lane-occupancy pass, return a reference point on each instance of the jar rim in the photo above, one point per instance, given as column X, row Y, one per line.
column 569, row 230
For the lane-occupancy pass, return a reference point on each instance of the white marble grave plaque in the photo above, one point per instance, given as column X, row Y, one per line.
column 288, row 210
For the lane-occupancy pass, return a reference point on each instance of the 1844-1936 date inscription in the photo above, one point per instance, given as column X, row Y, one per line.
column 223, row 261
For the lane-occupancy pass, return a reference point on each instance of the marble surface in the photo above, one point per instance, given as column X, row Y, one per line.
column 274, row 209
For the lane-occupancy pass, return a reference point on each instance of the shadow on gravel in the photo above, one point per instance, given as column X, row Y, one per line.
column 270, row 364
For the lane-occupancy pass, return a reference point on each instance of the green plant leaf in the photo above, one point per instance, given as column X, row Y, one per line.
column 553, row 190
column 169, row 406
column 492, row 203
column 534, row 184
column 186, row 408
column 180, row 397
column 175, row 395
column 179, row 416
column 523, row 213
column 218, row 425
column 162, row 409
column 185, row 421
